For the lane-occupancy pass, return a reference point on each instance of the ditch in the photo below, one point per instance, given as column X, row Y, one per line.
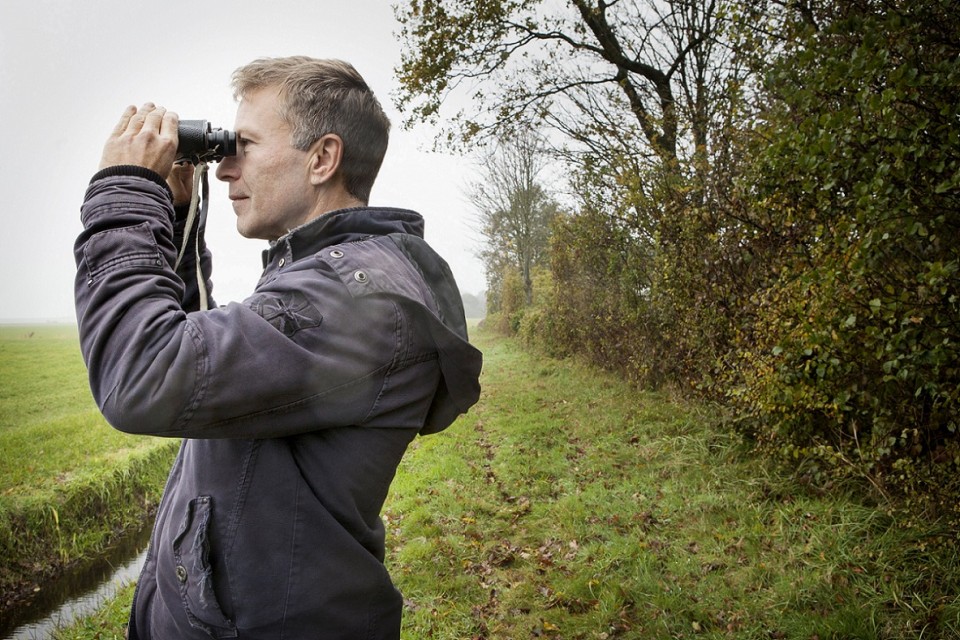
column 78, row 592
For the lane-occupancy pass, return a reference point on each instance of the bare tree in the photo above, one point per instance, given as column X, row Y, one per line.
column 514, row 211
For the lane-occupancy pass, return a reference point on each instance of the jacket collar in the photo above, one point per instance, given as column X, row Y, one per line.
column 343, row 225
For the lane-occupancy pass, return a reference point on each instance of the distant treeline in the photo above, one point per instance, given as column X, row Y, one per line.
column 474, row 305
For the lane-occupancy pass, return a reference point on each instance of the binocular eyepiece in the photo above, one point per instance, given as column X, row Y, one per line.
column 200, row 142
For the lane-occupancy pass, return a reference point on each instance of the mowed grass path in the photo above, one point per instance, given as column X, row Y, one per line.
column 568, row 505
column 69, row 483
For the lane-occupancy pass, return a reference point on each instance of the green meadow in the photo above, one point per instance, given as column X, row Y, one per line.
column 70, row 485
column 569, row 505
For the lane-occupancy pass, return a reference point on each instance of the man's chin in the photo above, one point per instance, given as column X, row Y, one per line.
column 246, row 231
column 253, row 233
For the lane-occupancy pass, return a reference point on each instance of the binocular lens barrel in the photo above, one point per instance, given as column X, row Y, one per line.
column 199, row 141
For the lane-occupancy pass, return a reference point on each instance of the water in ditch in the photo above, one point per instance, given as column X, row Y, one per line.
column 77, row 593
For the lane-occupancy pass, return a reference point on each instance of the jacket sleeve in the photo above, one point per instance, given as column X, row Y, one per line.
column 156, row 369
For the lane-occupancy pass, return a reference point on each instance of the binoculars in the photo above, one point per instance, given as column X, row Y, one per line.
column 200, row 142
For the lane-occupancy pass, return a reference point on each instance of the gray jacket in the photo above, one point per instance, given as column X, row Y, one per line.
column 295, row 407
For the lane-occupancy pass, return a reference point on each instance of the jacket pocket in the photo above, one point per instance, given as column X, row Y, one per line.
column 191, row 553
column 121, row 248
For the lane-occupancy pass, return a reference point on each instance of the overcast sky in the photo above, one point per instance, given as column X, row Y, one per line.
column 68, row 69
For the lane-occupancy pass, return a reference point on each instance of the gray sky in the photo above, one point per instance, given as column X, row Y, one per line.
column 69, row 68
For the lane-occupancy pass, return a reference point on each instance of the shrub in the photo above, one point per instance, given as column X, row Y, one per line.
column 855, row 346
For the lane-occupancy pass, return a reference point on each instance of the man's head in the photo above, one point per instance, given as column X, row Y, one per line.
column 318, row 97
column 310, row 139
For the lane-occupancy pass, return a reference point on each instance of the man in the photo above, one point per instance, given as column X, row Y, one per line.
column 296, row 405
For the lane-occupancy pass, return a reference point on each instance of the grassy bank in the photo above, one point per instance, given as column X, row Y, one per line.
column 69, row 483
column 567, row 505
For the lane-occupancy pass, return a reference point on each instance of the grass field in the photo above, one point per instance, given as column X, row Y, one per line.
column 69, row 483
column 568, row 505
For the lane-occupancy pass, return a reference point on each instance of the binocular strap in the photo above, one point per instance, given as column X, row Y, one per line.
column 201, row 190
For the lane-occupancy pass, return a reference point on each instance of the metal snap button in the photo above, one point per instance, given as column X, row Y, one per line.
column 361, row 277
column 282, row 262
column 181, row 573
column 336, row 253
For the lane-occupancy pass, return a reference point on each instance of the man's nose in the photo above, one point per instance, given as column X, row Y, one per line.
column 227, row 169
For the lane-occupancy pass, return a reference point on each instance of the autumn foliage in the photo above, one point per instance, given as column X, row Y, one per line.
column 775, row 226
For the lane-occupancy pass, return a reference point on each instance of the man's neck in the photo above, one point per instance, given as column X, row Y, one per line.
column 334, row 200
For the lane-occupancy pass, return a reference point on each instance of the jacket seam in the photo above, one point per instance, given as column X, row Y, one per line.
column 399, row 355
column 293, row 554
column 200, row 366
column 246, row 475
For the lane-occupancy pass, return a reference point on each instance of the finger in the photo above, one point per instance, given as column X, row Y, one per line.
column 124, row 120
column 171, row 118
column 140, row 117
column 153, row 118
column 181, row 183
column 182, row 171
column 170, row 124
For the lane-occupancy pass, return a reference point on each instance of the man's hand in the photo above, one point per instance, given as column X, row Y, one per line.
column 146, row 137
column 181, row 183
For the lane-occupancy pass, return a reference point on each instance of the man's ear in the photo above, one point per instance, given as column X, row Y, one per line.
column 325, row 156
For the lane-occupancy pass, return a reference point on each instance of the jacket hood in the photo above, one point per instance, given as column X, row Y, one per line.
column 460, row 362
